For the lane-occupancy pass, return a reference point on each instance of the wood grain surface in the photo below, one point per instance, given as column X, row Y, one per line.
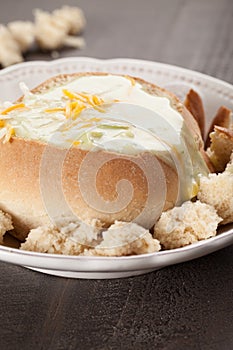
column 188, row 306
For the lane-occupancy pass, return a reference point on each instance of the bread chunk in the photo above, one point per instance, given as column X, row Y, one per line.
column 124, row 238
column 120, row 239
column 192, row 222
column 193, row 103
column 5, row 224
column 70, row 239
column 217, row 190
column 222, row 119
column 221, row 147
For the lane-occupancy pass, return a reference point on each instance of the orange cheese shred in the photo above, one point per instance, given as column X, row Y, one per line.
column 76, row 112
column 9, row 134
column 86, row 125
column 54, row 110
column 86, row 100
column 2, row 123
column 68, row 110
column 94, row 119
column 12, row 108
column 69, row 94
column 76, row 143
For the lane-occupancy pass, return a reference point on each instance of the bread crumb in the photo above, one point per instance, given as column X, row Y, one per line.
column 124, row 238
column 55, row 54
column 192, row 222
column 68, row 239
column 5, row 224
column 217, row 190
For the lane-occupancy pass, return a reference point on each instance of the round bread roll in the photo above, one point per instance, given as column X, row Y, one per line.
column 97, row 146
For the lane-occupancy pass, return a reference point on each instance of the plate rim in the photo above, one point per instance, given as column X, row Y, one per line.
column 201, row 75
column 192, row 247
column 110, row 60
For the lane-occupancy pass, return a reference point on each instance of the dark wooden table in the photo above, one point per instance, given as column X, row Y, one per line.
column 188, row 306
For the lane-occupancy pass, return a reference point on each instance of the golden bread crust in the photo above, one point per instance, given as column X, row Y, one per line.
column 221, row 147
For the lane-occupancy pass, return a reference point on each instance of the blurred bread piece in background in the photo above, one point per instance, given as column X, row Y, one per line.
column 72, row 17
column 23, row 33
column 10, row 52
column 50, row 31
column 53, row 30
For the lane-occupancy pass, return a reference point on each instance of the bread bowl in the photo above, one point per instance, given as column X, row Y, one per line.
column 40, row 174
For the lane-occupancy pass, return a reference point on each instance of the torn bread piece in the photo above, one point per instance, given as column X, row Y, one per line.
column 5, row 224
column 52, row 31
column 9, row 49
column 72, row 17
column 181, row 226
column 125, row 238
column 217, row 190
column 49, row 33
column 69, row 239
column 222, row 118
column 221, row 147
column 23, row 33
column 120, row 239
column 193, row 103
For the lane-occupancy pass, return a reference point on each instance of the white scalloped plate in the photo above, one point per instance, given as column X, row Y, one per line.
column 214, row 93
